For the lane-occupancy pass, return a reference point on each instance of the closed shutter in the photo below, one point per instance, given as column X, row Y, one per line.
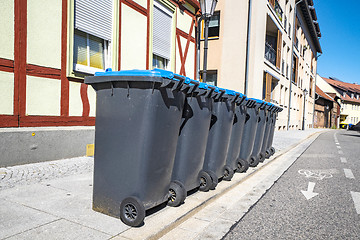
column 268, row 87
column 94, row 17
column 162, row 30
column 296, row 69
column 278, row 52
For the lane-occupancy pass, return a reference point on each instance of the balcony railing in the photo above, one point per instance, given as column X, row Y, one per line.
column 270, row 53
column 278, row 10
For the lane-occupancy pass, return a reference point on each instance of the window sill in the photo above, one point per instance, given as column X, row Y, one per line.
column 86, row 70
column 210, row 38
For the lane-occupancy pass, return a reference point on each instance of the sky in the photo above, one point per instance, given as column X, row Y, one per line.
column 340, row 42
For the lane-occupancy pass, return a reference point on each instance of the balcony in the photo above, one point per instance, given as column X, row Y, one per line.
column 278, row 10
column 270, row 53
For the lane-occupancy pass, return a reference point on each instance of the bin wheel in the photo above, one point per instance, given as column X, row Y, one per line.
column 214, row 179
column 253, row 162
column 272, row 150
column 177, row 194
column 262, row 157
column 132, row 211
column 228, row 173
column 205, row 181
column 242, row 166
column 267, row 154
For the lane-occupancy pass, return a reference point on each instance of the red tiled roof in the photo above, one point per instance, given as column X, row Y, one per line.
column 323, row 95
column 355, row 88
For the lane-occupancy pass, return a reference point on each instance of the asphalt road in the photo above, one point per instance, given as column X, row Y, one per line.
column 328, row 173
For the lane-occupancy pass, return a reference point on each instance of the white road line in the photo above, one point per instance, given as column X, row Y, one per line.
column 338, row 147
column 348, row 173
column 337, row 143
column 340, row 152
column 343, row 160
column 356, row 199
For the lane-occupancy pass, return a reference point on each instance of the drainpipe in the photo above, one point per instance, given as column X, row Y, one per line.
column 198, row 49
column 292, row 62
column 317, row 57
column 247, row 49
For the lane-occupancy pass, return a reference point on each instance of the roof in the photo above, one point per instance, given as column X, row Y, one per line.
column 308, row 10
column 346, row 87
column 319, row 92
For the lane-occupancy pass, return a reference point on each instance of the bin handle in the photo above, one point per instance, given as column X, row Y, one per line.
column 181, row 81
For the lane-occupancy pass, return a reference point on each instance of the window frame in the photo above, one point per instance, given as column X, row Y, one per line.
column 202, row 37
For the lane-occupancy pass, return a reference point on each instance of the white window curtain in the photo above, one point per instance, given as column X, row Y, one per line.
column 162, row 30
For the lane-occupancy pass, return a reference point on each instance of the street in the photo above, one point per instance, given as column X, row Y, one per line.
column 318, row 197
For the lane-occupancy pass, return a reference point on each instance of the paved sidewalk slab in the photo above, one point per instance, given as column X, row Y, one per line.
column 42, row 205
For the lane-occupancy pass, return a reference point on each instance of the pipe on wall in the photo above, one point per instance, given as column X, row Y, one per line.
column 247, row 48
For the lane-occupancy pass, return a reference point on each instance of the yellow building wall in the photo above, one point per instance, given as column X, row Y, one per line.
column 7, row 29
column 189, row 64
column 6, row 93
column 75, row 102
column 44, row 33
column 43, row 96
column 133, row 39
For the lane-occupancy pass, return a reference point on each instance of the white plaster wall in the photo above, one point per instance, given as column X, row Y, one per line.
column 6, row 93
column 324, row 86
column 43, row 96
column 92, row 101
column 7, row 29
column 184, row 22
column 178, row 59
column 133, row 39
column 190, row 61
column 75, row 102
column 142, row 3
column 44, row 33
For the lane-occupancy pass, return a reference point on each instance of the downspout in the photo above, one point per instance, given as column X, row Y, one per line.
column 247, row 49
column 317, row 57
column 198, row 49
column 292, row 62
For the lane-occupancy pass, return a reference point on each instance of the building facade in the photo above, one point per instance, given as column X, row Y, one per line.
column 48, row 46
column 268, row 50
column 349, row 94
column 327, row 110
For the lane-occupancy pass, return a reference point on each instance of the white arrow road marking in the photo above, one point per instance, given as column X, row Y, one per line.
column 340, row 152
column 356, row 199
column 348, row 173
column 343, row 160
column 309, row 193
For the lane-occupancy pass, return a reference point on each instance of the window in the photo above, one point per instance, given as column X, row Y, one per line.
column 214, row 26
column 352, row 95
column 162, row 30
column 211, row 77
column 92, row 35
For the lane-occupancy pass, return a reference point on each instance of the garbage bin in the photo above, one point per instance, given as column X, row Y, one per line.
column 269, row 121
column 255, row 157
column 189, row 159
column 232, row 158
column 271, row 149
column 138, row 116
column 219, row 136
column 250, row 126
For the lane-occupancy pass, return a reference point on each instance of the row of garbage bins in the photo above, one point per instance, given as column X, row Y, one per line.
column 160, row 135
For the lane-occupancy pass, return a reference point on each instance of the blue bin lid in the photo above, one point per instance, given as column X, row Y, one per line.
column 203, row 86
column 230, row 92
column 141, row 73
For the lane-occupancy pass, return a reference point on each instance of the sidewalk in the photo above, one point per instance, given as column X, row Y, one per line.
column 52, row 200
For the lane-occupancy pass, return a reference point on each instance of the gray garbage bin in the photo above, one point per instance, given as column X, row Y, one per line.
column 138, row 116
column 255, row 157
column 251, row 123
column 232, row 158
column 219, row 135
column 189, row 159
column 271, row 149
column 268, row 125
